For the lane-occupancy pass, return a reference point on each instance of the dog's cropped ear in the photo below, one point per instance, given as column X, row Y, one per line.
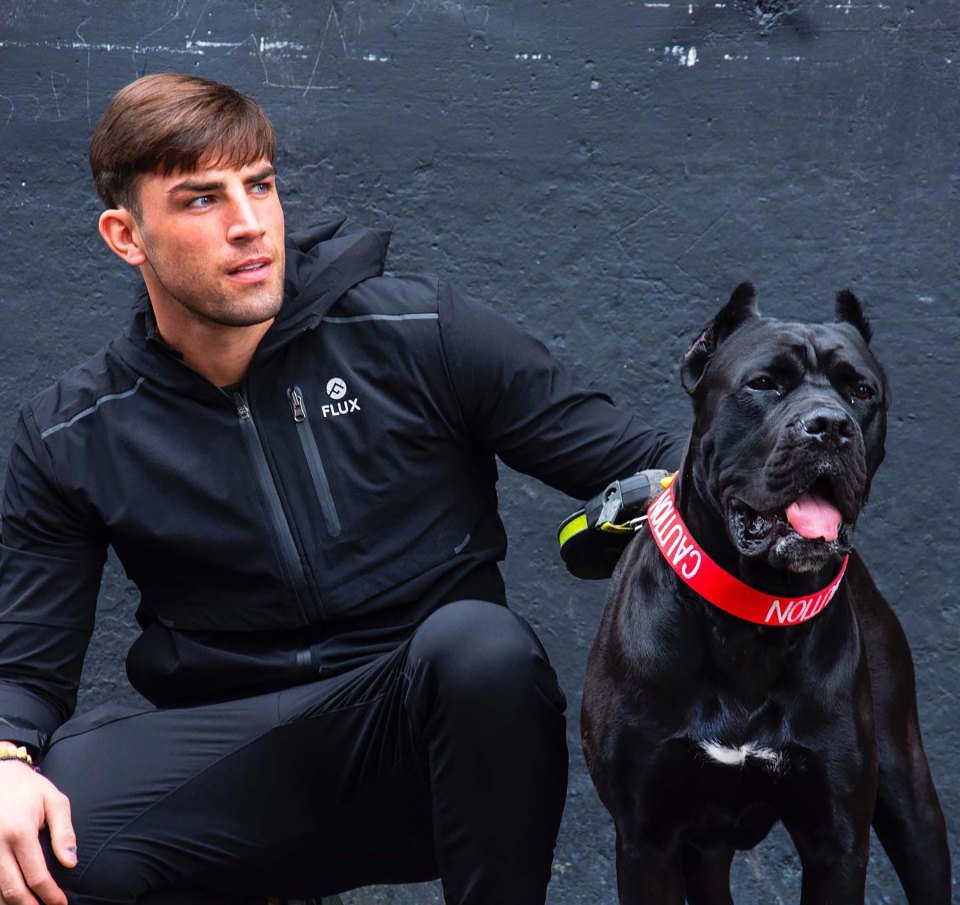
column 741, row 307
column 850, row 311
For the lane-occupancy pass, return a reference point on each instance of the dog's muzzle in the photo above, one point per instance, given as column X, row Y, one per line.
column 800, row 509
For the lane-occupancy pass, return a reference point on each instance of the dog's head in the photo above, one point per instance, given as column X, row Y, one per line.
column 789, row 427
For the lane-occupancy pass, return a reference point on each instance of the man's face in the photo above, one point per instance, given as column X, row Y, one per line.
column 213, row 240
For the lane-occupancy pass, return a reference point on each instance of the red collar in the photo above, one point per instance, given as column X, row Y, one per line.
column 688, row 559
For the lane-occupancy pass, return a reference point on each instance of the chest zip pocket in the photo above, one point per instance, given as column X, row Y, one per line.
column 312, row 454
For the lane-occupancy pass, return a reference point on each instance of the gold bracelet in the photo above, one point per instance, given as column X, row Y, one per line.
column 9, row 752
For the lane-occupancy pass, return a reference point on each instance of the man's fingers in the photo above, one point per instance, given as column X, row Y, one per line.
column 13, row 887
column 56, row 805
column 33, row 866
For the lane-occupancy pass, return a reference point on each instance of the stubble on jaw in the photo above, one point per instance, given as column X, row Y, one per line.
column 246, row 306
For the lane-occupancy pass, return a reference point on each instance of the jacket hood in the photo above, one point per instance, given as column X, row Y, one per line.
column 323, row 262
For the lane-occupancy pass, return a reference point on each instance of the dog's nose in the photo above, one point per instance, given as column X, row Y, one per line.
column 830, row 426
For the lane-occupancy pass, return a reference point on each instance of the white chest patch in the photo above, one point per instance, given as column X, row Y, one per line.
column 737, row 757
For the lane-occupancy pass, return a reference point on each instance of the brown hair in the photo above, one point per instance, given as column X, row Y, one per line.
column 166, row 123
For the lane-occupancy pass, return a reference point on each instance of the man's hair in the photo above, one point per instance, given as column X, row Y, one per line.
column 168, row 123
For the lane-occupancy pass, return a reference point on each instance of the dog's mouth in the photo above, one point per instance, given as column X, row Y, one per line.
column 803, row 534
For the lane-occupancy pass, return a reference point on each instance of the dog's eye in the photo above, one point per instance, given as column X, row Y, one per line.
column 863, row 391
column 761, row 383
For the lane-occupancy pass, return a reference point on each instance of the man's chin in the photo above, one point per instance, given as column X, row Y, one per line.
column 247, row 309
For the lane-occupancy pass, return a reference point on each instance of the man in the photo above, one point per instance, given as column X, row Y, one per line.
column 293, row 457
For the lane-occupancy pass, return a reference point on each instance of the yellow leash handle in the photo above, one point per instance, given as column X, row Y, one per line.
column 592, row 538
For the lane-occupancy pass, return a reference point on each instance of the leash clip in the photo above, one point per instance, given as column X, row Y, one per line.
column 612, row 504
column 592, row 538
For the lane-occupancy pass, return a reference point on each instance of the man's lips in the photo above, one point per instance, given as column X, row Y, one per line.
column 252, row 270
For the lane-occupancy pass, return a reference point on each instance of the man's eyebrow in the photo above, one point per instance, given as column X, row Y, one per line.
column 196, row 185
column 265, row 173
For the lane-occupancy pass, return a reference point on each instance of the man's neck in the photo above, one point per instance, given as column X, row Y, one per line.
column 221, row 354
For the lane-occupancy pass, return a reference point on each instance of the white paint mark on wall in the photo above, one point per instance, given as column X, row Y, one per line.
column 215, row 44
column 594, row 84
column 536, row 57
column 732, row 56
column 685, row 56
column 793, row 59
column 657, row 5
column 280, row 45
column 270, row 83
column 373, row 58
column 109, row 48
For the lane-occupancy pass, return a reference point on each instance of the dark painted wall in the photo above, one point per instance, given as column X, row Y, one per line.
column 603, row 173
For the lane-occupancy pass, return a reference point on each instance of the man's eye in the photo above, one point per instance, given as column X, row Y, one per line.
column 200, row 201
column 761, row 383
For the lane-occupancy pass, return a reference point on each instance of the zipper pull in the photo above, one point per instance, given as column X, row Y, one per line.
column 296, row 403
column 243, row 410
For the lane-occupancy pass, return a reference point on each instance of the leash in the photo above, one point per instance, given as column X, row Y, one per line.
column 592, row 539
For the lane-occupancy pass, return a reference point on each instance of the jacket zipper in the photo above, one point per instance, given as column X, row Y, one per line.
column 281, row 525
column 309, row 443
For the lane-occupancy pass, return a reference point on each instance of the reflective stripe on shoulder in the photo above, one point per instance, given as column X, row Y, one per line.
column 91, row 409
column 356, row 319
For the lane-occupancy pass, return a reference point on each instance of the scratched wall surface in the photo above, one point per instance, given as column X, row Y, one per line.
column 603, row 174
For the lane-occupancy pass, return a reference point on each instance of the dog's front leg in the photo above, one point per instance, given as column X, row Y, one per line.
column 909, row 821
column 647, row 874
column 706, row 874
column 834, row 851
column 908, row 817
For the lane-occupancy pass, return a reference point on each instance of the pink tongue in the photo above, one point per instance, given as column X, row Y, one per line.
column 814, row 517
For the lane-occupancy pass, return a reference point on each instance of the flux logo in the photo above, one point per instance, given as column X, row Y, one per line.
column 336, row 390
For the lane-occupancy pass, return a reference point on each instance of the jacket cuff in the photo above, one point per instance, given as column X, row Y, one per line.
column 34, row 720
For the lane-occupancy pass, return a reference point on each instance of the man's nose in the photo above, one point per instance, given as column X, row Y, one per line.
column 244, row 221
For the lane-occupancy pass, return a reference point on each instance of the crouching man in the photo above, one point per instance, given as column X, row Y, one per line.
column 293, row 457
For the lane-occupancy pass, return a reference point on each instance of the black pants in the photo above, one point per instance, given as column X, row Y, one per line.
column 446, row 757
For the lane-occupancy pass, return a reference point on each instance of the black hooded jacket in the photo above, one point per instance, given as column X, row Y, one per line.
column 348, row 481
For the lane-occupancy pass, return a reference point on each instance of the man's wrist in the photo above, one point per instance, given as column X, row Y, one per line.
column 9, row 751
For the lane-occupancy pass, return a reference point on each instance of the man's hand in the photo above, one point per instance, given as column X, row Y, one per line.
column 28, row 802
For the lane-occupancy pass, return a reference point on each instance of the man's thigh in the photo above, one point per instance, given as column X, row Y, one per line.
column 300, row 793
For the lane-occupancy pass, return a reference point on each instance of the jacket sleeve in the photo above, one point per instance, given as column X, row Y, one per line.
column 519, row 403
column 50, row 569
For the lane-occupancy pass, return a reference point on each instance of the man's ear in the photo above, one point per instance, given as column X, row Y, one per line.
column 741, row 307
column 119, row 229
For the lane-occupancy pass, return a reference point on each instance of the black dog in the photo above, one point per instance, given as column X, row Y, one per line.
column 701, row 728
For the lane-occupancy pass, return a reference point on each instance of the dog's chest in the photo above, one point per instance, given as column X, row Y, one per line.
column 751, row 752
column 741, row 728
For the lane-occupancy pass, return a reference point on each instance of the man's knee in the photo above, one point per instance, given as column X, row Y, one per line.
column 100, row 877
column 480, row 655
